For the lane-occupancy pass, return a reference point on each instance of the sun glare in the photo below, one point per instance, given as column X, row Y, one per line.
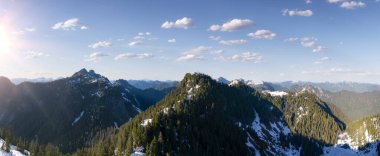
column 5, row 44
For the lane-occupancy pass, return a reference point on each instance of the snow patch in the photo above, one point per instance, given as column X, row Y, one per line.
column 197, row 86
column 166, row 110
column 2, row 142
column 138, row 154
column 254, row 83
column 249, row 144
column 115, row 124
column 13, row 150
column 98, row 94
column 301, row 112
column 271, row 135
column 371, row 150
column 138, row 151
column 234, row 82
column 146, row 122
column 124, row 96
column 77, row 118
column 189, row 93
column 276, row 93
column 137, row 109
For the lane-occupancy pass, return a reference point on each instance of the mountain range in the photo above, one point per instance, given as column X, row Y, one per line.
column 70, row 111
column 86, row 114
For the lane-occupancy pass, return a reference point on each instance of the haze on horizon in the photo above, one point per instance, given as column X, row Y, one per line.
column 269, row 40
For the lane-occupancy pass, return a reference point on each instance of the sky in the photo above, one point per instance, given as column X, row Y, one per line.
column 271, row 40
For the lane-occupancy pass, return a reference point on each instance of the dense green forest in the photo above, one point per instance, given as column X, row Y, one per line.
column 201, row 117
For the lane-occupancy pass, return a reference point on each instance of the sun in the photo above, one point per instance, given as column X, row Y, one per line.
column 5, row 44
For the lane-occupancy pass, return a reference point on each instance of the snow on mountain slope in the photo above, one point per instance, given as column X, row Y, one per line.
column 271, row 136
column 276, row 93
column 360, row 138
column 13, row 150
column 146, row 122
column 340, row 150
column 77, row 118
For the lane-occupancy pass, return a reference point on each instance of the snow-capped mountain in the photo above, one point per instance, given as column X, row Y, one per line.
column 86, row 114
column 223, row 80
column 334, row 87
column 236, row 118
column 69, row 112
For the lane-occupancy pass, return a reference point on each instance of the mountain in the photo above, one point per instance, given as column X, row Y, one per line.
column 86, row 114
column 223, row 80
column 362, row 137
column 356, row 105
column 334, row 87
column 204, row 117
column 69, row 112
column 259, row 85
column 158, row 85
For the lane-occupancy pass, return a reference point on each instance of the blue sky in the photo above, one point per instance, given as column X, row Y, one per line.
column 271, row 40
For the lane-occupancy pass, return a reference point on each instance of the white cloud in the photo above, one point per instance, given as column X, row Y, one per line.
column 308, row 1
column 173, row 40
column 30, row 29
column 215, row 38
column 308, row 42
column 142, row 35
column 292, row 39
column 248, row 57
column 34, row 54
column 124, row 56
column 319, row 49
column 198, row 50
column 183, row 23
column 135, row 43
column 217, row 52
column 194, row 54
column 100, row 44
column 140, row 38
column 353, row 5
column 233, row 42
column 23, row 31
column 321, row 60
column 95, row 57
column 335, row 1
column 305, row 13
column 70, row 24
column 190, row 57
column 232, row 25
column 263, row 34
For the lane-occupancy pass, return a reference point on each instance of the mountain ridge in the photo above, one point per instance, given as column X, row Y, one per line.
column 239, row 118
